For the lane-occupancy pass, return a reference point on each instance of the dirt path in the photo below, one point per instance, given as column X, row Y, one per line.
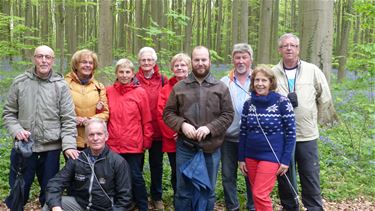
column 359, row 204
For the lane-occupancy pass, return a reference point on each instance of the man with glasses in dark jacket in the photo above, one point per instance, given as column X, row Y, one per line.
column 98, row 180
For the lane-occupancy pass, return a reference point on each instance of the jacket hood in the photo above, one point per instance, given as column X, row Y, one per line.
column 156, row 72
column 52, row 77
column 72, row 76
column 124, row 88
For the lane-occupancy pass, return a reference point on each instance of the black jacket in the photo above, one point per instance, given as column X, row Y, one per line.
column 112, row 172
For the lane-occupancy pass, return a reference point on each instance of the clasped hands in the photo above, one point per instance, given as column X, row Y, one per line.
column 196, row 134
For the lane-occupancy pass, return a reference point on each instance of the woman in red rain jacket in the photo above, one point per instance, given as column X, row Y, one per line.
column 180, row 66
column 129, row 125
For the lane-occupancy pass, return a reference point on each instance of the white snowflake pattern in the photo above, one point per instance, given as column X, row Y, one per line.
column 272, row 108
column 252, row 108
column 289, row 107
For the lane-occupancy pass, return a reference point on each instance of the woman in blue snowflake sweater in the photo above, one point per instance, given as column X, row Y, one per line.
column 265, row 114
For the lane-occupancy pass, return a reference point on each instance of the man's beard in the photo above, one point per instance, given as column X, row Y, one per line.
column 200, row 74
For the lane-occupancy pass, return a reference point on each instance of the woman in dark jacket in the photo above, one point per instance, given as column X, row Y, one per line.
column 129, row 125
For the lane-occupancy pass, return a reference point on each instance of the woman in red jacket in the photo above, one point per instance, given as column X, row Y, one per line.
column 180, row 66
column 129, row 126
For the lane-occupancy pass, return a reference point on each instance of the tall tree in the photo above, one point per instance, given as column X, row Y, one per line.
column 70, row 28
column 105, row 33
column 29, row 24
column 138, row 25
column 244, row 33
column 264, row 44
column 235, row 21
column 219, row 22
column 317, row 33
column 60, row 32
column 209, row 24
column 188, row 28
column 343, row 46
column 274, row 32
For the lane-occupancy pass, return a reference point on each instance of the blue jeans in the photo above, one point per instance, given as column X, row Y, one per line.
column 155, row 160
column 229, row 168
column 307, row 159
column 44, row 164
column 138, row 183
column 184, row 187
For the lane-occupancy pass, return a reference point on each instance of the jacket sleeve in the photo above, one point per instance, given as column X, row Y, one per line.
column 67, row 118
column 10, row 112
column 243, row 133
column 170, row 113
column 220, row 124
column 103, row 97
column 162, row 100
column 326, row 111
column 289, row 126
column 123, row 192
column 59, row 183
column 146, row 120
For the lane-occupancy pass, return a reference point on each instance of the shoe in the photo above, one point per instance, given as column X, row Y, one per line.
column 158, row 205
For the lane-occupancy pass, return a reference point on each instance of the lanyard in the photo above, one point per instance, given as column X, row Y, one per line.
column 295, row 76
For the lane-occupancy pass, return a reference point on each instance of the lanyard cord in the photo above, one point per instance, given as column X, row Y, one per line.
column 277, row 159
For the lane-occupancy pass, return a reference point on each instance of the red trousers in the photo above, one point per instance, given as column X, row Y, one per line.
column 262, row 176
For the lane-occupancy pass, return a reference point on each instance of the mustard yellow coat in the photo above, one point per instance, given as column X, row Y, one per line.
column 85, row 98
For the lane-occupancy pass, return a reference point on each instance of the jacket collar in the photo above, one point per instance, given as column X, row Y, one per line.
column 52, row 76
column 73, row 76
column 208, row 79
column 156, row 73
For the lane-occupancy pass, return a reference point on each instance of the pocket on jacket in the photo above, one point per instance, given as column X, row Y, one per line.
column 51, row 131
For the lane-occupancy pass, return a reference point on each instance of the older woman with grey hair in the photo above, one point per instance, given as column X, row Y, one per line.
column 152, row 81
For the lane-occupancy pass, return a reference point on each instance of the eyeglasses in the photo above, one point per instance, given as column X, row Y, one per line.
column 289, row 45
column 147, row 60
column 86, row 62
column 40, row 56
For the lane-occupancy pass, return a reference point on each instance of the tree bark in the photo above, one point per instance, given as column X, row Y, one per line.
column 188, row 28
column 264, row 44
column 60, row 32
column 105, row 34
column 244, row 30
column 317, row 33
column 235, row 21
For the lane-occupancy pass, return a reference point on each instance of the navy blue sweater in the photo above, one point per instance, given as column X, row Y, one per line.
column 276, row 116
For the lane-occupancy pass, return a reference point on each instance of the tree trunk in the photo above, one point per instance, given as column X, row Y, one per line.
column 60, row 39
column 44, row 11
column 209, row 24
column 121, row 32
column 317, row 33
column 138, row 25
column 338, row 26
column 274, row 33
column 188, row 28
column 343, row 47
column 105, row 34
column 219, row 22
column 244, row 22
column 29, row 24
column 235, row 21
column 264, row 44
column 70, row 28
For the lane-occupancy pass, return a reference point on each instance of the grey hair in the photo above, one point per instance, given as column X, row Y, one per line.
column 124, row 63
column 98, row 121
column 242, row 48
column 147, row 50
column 287, row 35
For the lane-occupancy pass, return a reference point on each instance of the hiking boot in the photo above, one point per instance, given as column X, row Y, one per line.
column 158, row 205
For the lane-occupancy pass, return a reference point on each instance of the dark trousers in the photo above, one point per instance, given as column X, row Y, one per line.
column 138, row 183
column 172, row 163
column 156, row 167
column 307, row 160
column 44, row 164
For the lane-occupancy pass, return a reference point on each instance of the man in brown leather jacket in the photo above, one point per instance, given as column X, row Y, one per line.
column 200, row 110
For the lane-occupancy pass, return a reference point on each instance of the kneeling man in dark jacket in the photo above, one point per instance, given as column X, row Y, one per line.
column 98, row 180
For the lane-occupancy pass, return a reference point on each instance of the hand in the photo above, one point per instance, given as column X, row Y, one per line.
column 23, row 135
column 81, row 121
column 243, row 168
column 202, row 132
column 57, row 209
column 188, row 130
column 282, row 170
column 175, row 136
column 72, row 153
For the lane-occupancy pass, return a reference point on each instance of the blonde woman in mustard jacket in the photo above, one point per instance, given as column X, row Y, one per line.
column 89, row 95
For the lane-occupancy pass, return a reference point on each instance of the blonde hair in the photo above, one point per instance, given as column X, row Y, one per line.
column 266, row 70
column 181, row 57
column 125, row 63
column 76, row 58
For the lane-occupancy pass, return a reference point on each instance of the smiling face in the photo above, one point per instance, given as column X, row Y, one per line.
column 43, row 60
column 262, row 84
column 242, row 62
column 147, row 62
column 200, row 62
column 289, row 50
column 124, row 75
column 85, row 67
column 180, row 70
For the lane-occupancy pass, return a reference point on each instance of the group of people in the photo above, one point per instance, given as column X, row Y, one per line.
column 260, row 121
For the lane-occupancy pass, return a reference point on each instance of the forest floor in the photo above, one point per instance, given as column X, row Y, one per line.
column 359, row 204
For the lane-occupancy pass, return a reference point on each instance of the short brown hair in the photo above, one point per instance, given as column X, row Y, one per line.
column 266, row 70
column 76, row 58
